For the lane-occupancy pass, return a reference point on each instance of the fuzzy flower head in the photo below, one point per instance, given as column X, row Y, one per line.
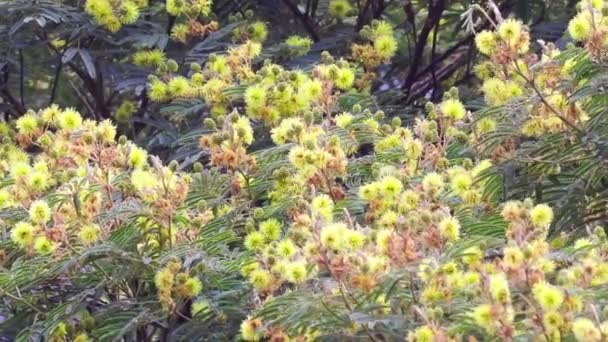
column 298, row 46
column 541, row 215
column 485, row 42
column 339, row 8
column 106, row 131
column 42, row 245
column 482, row 315
column 345, row 78
column 385, row 46
column 296, row 272
column 499, row 288
column 250, row 330
column 510, row 30
column 323, row 206
column 549, row 297
column 255, row 241
column 432, row 183
column 270, row 229
column 192, row 287
column 390, row 187
column 453, row 109
column 23, row 234
column 137, row 157
column 242, row 128
column 89, row 234
column 585, row 330
column 50, row 115
column 332, row 236
column 450, row 229
column 27, row 124
column 580, row 27
column 40, row 212
column 70, row 120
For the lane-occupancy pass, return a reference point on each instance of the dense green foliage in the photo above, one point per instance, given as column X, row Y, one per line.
column 225, row 179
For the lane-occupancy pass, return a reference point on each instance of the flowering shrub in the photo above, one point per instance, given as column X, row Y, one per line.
column 349, row 226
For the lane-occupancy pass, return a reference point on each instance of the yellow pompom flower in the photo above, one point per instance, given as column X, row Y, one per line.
column 23, row 234
column 385, row 46
column 258, row 31
column 499, row 288
column 286, row 248
column 27, row 124
column 580, row 28
column 249, row 330
column 243, row 129
column 323, row 205
column 596, row 4
column 343, row 120
column 270, row 229
column 485, row 42
column 332, row 236
column 70, row 120
column 200, row 306
column 129, row 12
column 255, row 97
column 390, row 187
column 449, row 228
column 354, row 239
column 482, row 315
column 50, row 115
column 38, row 181
column 432, row 183
column 5, row 199
column 179, row 87
column 461, row 183
column 339, row 8
column 549, row 297
column 345, row 78
column 296, row 272
column 472, row 256
column 42, row 245
column 260, row 279
column 137, row 157
column 585, row 330
column 40, row 212
column 88, row 234
column 552, row 321
column 485, row 125
column 176, row 7
column 158, row 91
column 541, row 215
column 513, row 257
column 383, row 239
column 106, row 131
column 254, row 241
column 143, row 181
column 422, row 334
column 192, row 287
column 510, row 30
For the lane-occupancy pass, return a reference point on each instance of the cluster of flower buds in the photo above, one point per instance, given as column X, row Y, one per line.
column 75, row 176
column 175, row 284
column 542, row 86
column 112, row 14
column 381, row 46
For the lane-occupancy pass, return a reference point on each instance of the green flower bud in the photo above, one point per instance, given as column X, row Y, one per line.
column 172, row 65
column 258, row 214
column 209, row 123
column 396, row 122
